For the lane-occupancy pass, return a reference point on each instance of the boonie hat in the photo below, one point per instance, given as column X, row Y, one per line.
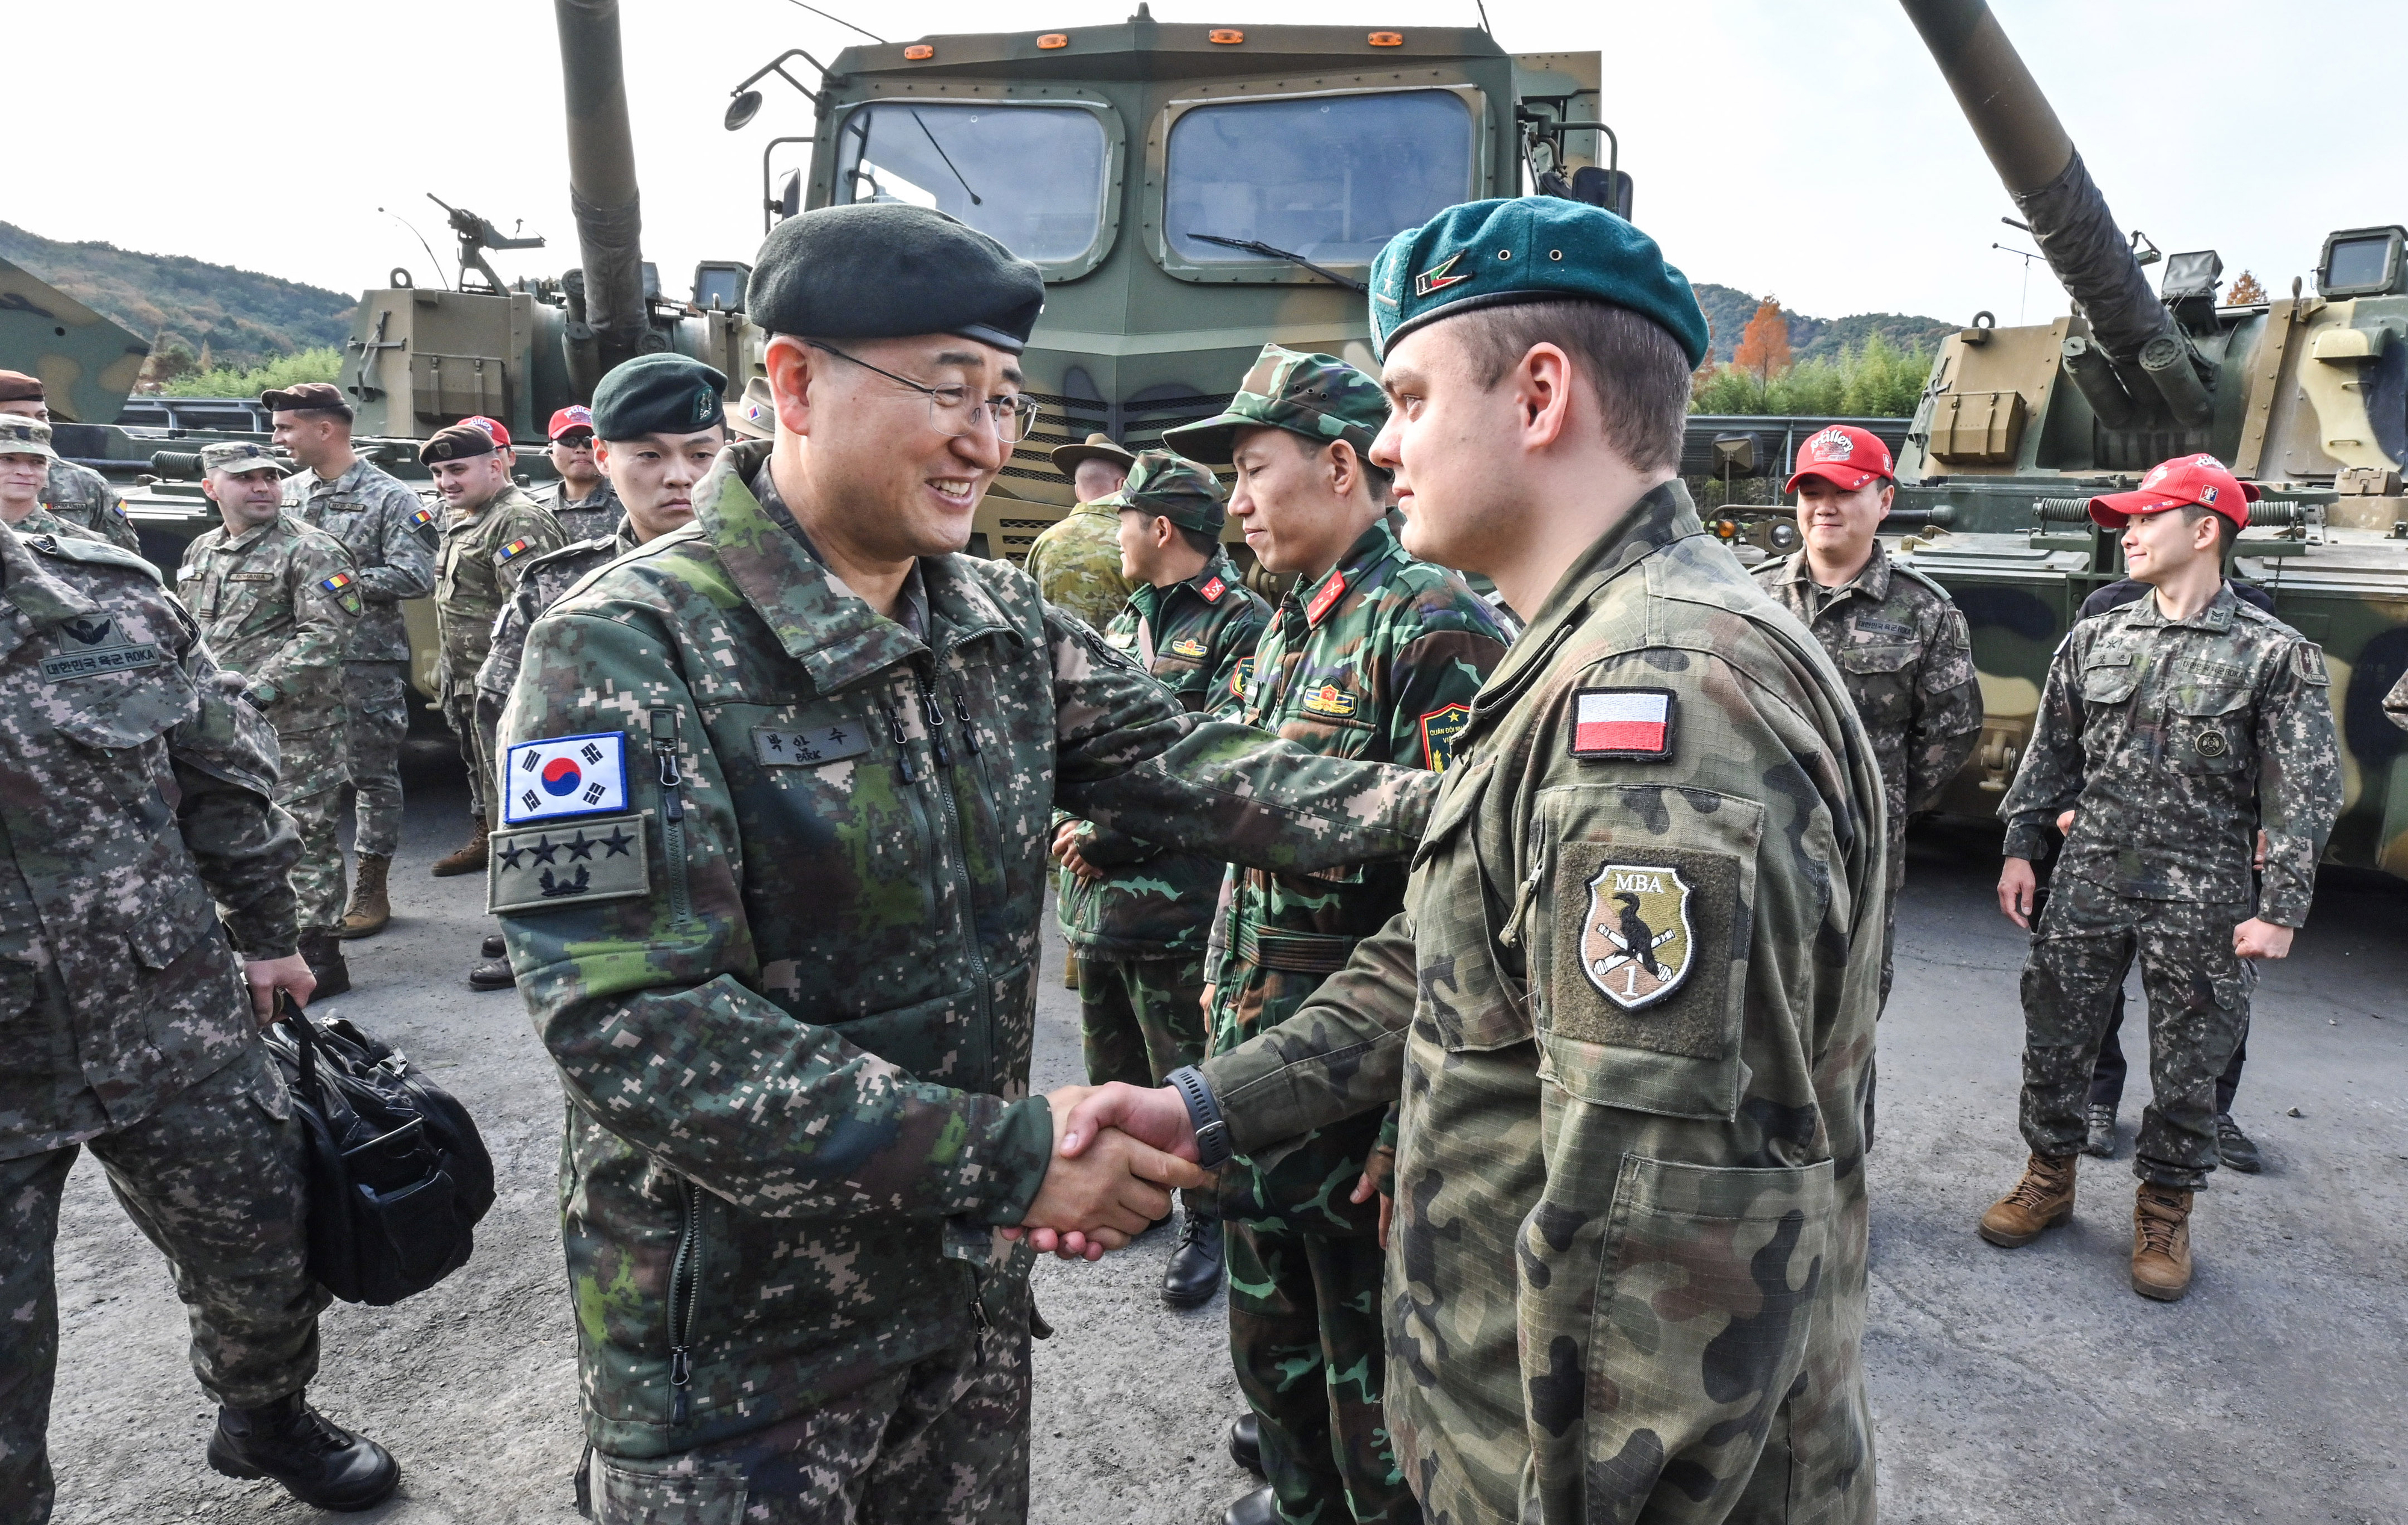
column 308, row 397
column 1318, row 396
column 1179, row 490
column 1095, row 447
column 1844, row 456
column 21, row 436
column 890, row 270
column 756, row 414
column 241, row 456
column 575, row 416
column 659, row 394
column 458, row 442
column 1528, row 248
column 2181, row 482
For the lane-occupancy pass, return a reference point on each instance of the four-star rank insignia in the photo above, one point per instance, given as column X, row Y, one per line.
column 1636, row 943
column 552, row 866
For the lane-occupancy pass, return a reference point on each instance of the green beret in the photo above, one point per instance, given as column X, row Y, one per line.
column 241, row 456
column 1528, row 249
column 456, row 442
column 1177, row 489
column 661, row 393
column 889, row 270
column 1318, row 396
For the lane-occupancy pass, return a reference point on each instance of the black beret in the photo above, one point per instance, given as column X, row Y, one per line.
column 889, row 270
column 458, row 442
column 661, row 393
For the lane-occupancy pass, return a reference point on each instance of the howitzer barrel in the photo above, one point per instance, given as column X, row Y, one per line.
column 2028, row 147
column 602, row 175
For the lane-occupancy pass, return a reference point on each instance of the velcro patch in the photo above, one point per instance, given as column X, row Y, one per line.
column 807, row 749
column 1214, row 590
column 250, row 577
column 2308, row 660
column 516, row 548
column 547, row 868
column 1642, row 947
column 565, row 776
column 1631, row 724
column 346, row 597
column 1440, row 728
column 1331, row 592
column 1186, row 648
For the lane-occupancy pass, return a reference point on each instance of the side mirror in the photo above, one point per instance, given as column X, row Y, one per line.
column 742, row 111
column 790, row 196
column 1606, row 188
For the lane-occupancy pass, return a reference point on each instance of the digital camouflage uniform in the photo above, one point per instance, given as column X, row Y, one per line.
column 1627, row 1275
column 42, row 521
column 84, row 498
column 478, row 563
column 123, row 1021
column 1077, row 564
column 1901, row 647
column 597, row 516
column 391, row 533
column 791, row 991
column 540, row 585
column 2175, row 742
column 278, row 604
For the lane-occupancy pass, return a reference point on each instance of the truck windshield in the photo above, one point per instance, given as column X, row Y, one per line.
column 1029, row 175
column 1330, row 177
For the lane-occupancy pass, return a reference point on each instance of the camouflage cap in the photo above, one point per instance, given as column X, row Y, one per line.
column 1318, row 396
column 21, row 436
column 1179, row 490
column 754, row 416
column 240, row 457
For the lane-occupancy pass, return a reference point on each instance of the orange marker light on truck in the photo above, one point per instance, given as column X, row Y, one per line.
column 919, row 51
column 1054, row 39
column 1225, row 35
column 1387, row 39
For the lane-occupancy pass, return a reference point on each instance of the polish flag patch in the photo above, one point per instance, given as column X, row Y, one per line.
column 1630, row 723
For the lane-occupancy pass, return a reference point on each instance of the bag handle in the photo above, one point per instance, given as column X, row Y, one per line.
column 305, row 1037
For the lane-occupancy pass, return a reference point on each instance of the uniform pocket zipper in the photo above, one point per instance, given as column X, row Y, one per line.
column 684, row 1268
column 665, row 741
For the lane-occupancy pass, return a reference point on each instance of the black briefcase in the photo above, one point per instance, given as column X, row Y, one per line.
column 397, row 1177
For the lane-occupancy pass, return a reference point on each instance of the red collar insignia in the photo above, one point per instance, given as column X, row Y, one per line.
column 1330, row 592
column 1214, row 590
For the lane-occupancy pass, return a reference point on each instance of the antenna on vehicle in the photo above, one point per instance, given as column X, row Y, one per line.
column 839, row 21
column 421, row 243
column 1484, row 17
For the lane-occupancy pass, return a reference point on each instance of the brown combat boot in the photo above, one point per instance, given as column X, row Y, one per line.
column 2161, row 1243
column 467, row 859
column 369, row 910
column 2042, row 1200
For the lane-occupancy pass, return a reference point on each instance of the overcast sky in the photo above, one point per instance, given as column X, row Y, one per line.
column 1805, row 148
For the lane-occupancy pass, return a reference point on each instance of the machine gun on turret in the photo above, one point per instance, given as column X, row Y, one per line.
column 476, row 235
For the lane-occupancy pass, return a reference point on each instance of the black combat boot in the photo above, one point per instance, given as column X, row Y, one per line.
column 1260, row 1507
column 1246, row 1442
column 2235, row 1148
column 491, row 970
column 1194, row 1274
column 2100, row 1134
column 319, row 1463
column 322, row 952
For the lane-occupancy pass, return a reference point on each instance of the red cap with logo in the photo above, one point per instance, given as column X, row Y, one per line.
column 1844, row 456
column 493, row 428
column 573, row 417
column 2181, row 482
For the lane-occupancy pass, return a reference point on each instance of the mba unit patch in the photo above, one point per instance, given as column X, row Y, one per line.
column 1631, row 724
column 1636, row 943
column 565, row 776
column 1440, row 728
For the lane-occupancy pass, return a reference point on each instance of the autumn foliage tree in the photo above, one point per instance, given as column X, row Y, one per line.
column 1763, row 349
column 2245, row 291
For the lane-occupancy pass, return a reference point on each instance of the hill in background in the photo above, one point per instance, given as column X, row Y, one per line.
column 1728, row 310
column 195, row 313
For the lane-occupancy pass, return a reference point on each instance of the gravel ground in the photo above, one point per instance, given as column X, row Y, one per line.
column 2030, row 1385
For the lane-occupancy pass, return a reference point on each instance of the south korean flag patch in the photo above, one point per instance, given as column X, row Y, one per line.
column 1632, row 726
column 563, row 777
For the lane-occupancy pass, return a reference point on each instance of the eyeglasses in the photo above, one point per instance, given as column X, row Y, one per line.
column 955, row 410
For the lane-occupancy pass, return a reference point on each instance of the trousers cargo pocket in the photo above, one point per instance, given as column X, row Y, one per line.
column 622, row 1496
column 1704, row 1312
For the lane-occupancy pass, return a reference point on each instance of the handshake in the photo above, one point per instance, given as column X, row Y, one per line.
column 1118, row 1152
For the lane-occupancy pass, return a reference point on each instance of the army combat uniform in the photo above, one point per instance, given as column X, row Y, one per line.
column 771, row 878
column 1077, row 564
column 597, row 516
column 391, row 533
column 542, row 582
column 1903, row 648
column 278, row 604
column 478, row 564
column 123, row 1021
column 2175, row 742
column 84, row 498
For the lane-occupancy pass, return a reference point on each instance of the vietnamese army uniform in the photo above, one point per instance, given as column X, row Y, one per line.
column 1139, row 933
column 785, row 965
column 1629, row 1005
column 124, row 1025
column 1376, row 660
column 1077, row 564
column 279, row 603
column 391, row 533
column 89, row 501
column 598, row 515
column 478, row 563
column 2176, row 742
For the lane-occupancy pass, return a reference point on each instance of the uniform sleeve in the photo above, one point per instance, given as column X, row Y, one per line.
column 2298, row 781
column 1947, row 715
column 649, row 1008
column 109, row 514
column 225, row 760
column 1239, row 635
column 405, row 560
column 541, row 532
column 1342, row 1054
column 1128, row 757
column 2049, row 778
column 1434, row 678
column 501, row 669
column 309, row 665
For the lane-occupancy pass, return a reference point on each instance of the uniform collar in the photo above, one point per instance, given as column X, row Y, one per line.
column 1373, row 546
column 249, row 537
column 31, row 589
column 1098, row 507
column 1220, row 569
column 1872, row 579
column 2217, row 616
column 352, row 476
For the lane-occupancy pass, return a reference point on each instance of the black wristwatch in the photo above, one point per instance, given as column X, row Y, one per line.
column 1203, row 1114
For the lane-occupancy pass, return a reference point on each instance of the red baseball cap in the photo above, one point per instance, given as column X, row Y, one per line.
column 575, row 416
column 1844, row 456
column 493, row 428
column 2181, row 482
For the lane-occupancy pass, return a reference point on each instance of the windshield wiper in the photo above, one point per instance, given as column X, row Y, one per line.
column 946, row 157
column 1256, row 246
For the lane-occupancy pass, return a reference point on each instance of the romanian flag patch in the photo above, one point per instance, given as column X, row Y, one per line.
column 345, row 595
column 516, row 548
column 1635, row 724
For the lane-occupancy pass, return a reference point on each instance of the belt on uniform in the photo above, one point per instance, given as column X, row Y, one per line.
column 1295, row 952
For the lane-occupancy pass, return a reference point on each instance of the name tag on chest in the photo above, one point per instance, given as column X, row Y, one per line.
column 808, row 747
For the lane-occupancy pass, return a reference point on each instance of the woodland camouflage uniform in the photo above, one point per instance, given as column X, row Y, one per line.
column 123, row 1022
column 791, row 993
column 84, row 498
column 1627, row 1278
column 2175, row 742
column 478, row 564
column 278, row 604
column 391, row 533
